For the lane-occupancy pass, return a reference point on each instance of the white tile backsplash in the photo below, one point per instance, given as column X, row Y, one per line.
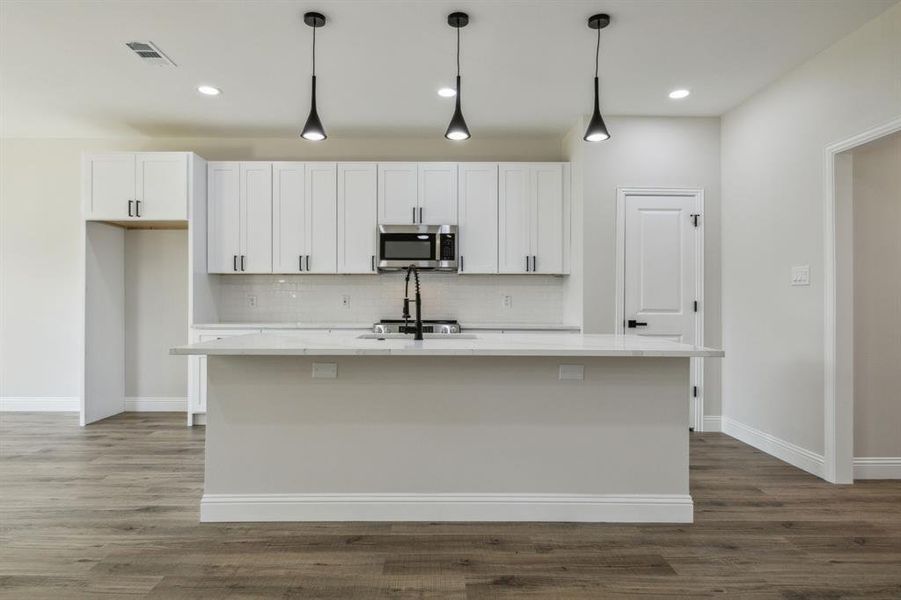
column 319, row 298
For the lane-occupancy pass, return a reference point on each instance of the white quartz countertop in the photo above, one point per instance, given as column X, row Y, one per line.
column 348, row 343
column 368, row 326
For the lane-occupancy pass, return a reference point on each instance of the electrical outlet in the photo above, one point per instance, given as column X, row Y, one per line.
column 345, row 301
column 251, row 301
column 325, row 370
column 576, row 372
column 508, row 301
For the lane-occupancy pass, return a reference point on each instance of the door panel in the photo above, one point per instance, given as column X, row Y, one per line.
column 322, row 214
column 397, row 193
column 290, row 228
column 223, row 216
column 111, row 181
column 256, row 213
column 514, row 207
column 547, row 224
column 438, row 193
column 162, row 185
column 660, row 266
column 357, row 217
column 478, row 218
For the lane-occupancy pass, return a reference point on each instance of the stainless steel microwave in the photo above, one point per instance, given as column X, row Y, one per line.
column 426, row 246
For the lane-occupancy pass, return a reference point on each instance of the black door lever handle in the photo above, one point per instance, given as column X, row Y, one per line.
column 632, row 323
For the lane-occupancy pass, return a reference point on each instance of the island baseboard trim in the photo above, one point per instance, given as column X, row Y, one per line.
column 585, row 508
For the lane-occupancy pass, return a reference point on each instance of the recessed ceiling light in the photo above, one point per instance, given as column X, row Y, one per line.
column 679, row 94
column 208, row 90
column 447, row 92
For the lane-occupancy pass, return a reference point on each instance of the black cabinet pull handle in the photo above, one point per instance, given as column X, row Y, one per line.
column 234, row 262
column 534, row 263
column 300, row 262
column 308, row 262
column 372, row 262
column 242, row 262
column 137, row 208
column 632, row 323
column 461, row 263
column 527, row 263
column 130, row 202
column 420, row 214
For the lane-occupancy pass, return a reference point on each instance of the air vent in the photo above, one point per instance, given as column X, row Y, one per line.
column 150, row 54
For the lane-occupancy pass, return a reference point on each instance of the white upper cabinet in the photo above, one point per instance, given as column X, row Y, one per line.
column 478, row 233
column 224, row 217
column 131, row 186
column 304, row 210
column 321, row 218
column 532, row 218
column 437, row 194
column 357, row 217
column 397, row 193
column 239, row 212
column 417, row 193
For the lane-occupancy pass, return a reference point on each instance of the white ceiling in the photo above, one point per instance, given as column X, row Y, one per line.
column 527, row 65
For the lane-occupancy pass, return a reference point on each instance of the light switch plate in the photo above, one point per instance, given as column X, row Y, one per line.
column 325, row 370
column 801, row 275
column 574, row 372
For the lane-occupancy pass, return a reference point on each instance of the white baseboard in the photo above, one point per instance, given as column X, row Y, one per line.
column 877, row 467
column 199, row 418
column 156, row 404
column 40, row 404
column 786, row 451
column 645, row 508
column 713, row 423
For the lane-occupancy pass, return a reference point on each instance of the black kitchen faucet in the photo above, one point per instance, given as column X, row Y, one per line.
column 417, row 335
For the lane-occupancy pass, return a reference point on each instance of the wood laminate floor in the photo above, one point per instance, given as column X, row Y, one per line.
column 111, row 511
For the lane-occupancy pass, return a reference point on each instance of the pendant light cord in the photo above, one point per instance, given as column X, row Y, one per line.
column 458, row 51
column 314, row 51
column 597, row 54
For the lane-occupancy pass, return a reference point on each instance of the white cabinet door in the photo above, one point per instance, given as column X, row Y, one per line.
column 289, row 222
column 397, row 193
column 109, row 186
column 547, row 212
column 161, row 184
column 322, row 215
column 478, row 218
column 514, row 218
column 437, row 194
column 256, row 218
column 357, row 217
column 223, row 216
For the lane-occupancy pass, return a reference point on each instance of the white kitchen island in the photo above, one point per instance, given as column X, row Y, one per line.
column 318, row 426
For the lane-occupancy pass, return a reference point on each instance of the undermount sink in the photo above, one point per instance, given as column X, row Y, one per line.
column 409, row 336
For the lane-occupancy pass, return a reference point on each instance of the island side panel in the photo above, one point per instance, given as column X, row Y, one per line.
column 447, row 438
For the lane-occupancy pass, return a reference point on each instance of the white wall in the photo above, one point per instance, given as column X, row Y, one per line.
column 772, row 160
column 877, row 297
column 156, row 312
column 40, row 212
column 643, row 152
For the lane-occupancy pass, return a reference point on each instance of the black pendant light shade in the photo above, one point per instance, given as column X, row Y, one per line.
column 597, row 129
column 457, row 129
column 313, row 129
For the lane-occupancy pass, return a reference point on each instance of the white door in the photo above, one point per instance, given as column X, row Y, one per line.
column 397, row 196
column 357, row 217
column 322, row 214
column 162, row 186
column 437, row 193
column 223, row 216
column 256, row 218
column 514, row 219
column 110, row 186
column 478, row 218
column 289, row 223
column 662, row 273
column 547, row 218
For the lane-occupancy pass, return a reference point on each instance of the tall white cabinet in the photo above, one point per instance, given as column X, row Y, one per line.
column 304, row 201
column 532, row 222
column 478, row 233
column 357, row 217
column 417, row 193
column 240, row 217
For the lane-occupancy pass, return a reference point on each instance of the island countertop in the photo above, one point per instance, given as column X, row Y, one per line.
column 349, row 343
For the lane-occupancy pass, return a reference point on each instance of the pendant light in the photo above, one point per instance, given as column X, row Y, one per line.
column 597, row 130
column 457, row 129
column 313, row 129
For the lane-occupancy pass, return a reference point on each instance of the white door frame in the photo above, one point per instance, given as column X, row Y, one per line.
column 697, row 364
column 838, row 327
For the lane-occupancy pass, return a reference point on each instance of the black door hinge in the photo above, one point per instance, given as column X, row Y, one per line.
column 694, row 391
column 696, row 306
column 694, row 219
